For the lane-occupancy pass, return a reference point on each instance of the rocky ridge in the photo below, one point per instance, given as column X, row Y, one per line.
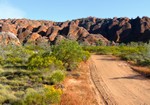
column 85, row 30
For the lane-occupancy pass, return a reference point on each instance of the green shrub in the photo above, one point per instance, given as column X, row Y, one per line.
column 34, row 99
column 57, row 76
column 2, row 99
column 13, row 61
column 37, row 61
column 40, row 48
column 12, row 55
column 48, row 95
column 52, row 95
column 16, row 61
column 137, row 52
column 70, row 53
column 6, row 95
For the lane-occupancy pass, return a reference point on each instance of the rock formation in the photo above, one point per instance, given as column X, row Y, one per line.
column 85, row 30
column 8, row 38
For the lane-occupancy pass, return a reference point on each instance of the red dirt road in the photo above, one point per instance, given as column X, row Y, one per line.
column 117, row 83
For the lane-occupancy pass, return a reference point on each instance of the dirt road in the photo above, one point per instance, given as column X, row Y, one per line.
column 117, row 83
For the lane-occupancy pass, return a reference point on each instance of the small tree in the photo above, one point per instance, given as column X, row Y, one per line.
column 70, row 53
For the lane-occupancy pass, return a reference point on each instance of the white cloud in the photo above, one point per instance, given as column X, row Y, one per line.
column 7, row 10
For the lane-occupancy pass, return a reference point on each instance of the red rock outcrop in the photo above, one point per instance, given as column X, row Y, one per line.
column 24, row 35
column 8, row 38
column 93, row 39
column 34, row 37
column 52, row 32
column 30, row 28
column 89, row 29
column 124, row 30
column 59, row 38
column 42, row 28
column 76, row 32
column 6, row 27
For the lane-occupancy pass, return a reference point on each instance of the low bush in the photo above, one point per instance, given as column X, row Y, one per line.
column 52, row 95
column 6, row 95
column 37, row 61
column 48, row 95
column 57, row 76
column 15, row 86
column 14, row 56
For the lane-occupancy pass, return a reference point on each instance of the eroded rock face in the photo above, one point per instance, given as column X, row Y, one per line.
column 42, row 30
column 34, row 37
column 88, row 30
column 8, row 38
column 59, row 38
column 75, row 32
column 6, row 27
column 119, row 29
column 124, row 30
column 30, row 28
column 93, row 39
column 0, row 27
column 52, row 32
column 24, row 35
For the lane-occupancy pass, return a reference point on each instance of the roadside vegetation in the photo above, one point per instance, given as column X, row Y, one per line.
column 32, row 75
column 136, row 53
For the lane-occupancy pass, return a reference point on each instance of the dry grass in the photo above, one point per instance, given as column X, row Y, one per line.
column 78, row 89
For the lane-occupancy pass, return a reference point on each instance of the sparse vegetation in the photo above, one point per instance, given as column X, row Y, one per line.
column 138, row 53
column 28, row 73
column 57, row 76
column 44, row 96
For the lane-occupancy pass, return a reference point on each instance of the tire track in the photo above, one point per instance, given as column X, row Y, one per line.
column 100, row 86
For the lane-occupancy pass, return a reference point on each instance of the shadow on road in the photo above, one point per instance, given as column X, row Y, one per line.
column 138, row 76
column 108, row 59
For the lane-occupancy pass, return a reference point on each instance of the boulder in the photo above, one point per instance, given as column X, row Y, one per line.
column 8, row 38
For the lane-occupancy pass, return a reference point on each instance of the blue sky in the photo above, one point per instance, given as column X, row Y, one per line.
column 62, row 10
